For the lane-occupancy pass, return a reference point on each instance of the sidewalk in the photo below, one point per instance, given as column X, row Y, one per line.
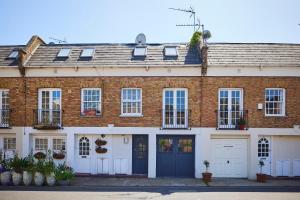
column 175, row 182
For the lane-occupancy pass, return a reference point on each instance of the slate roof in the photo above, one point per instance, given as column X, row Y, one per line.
column 4, row 53
column 120, row 55
column 254, row 54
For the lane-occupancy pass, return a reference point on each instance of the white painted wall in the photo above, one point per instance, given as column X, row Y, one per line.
column 286, row 150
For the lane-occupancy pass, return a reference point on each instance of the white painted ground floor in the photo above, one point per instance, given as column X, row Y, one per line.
column 158, row 153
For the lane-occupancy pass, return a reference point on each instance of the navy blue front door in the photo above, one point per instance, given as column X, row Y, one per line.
column 175, row 156
column 140, row 154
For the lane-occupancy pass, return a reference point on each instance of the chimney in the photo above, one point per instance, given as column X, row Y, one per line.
column 26, row 52
column 203, row 49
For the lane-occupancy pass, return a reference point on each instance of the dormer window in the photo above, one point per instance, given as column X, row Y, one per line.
column 87, row 53
column 64, row 53
column 140, row 51
column 14, row 54
column 171, row 51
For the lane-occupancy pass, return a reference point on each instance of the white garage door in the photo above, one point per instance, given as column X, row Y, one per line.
column 229, row 158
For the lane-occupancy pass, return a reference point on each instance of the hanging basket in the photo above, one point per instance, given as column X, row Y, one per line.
column 58, row 156
column 101, row 150
column 100, row 142
column 40, row 155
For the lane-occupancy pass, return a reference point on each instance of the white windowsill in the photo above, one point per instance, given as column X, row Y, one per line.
column 131, row 115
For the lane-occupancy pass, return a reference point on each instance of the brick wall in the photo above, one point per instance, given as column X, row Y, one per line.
column 152, row 88
column 253, row 89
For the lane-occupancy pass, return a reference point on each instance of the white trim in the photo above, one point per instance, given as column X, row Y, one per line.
column 137, row 114
column 82, row 100
column 229, row 103
column 283, row 114
column 175, row 105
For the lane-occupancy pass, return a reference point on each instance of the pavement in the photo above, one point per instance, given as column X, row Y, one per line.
column 93, row 187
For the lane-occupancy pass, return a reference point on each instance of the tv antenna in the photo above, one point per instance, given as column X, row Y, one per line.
column 64, row 41
column 193, row 14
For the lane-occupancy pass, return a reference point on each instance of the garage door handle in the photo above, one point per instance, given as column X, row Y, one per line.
column 228, row 161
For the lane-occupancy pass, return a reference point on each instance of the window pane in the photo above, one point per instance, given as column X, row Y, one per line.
column 165, row 145
column 185, row 145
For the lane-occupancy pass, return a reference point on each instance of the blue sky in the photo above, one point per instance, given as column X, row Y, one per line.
column 119, row 21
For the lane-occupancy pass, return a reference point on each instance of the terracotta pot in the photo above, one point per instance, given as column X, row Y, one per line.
column 5, row 177
column 242, row 127
column 206, row 176
column 262, row 178
column 16, row 178
column 27, row 178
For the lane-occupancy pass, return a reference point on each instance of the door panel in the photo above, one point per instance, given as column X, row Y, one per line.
column 229, row 157
column 83, row 154
column 264, row 154
column 175, row 156
column 140, row 154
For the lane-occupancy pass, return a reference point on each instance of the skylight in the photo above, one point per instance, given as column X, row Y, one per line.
column 64, row 53
column 13, row 54
column 88, row 52
column 140, row 51
column 171, row 51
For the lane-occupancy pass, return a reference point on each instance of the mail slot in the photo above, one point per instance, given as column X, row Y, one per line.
column 83, row 156
column 228, row 146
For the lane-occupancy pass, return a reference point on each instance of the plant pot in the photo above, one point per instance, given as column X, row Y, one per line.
column 16, row 178
column 39, row 178
column 101, row 150
column 58, row 156
column 64, row 182
column 5, row 178
column 262, row 178
column 242, row 127
column 206, row 177
column 27, row 178
column 40, row 155
column 100, row 142
column 50, row 179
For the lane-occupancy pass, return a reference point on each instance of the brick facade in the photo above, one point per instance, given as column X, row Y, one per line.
column 152, row 88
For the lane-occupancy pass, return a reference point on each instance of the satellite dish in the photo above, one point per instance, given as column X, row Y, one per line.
column 206, row 34
column 140, row 39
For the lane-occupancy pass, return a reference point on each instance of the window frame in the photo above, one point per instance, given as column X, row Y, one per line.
column 12, row 56
column 87, row 56
column 140, row 114
column 7, row 138
column 2, row 123
column 186, row 107
column 283, row 113
column 41, row 138
column 140, row 55
column 82, row 101
column 64, row 56
column 171, row 55
column 63, row 141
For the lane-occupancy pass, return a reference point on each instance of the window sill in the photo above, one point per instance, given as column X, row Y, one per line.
column 90, row 116
column 131, row 115
column 276, row 116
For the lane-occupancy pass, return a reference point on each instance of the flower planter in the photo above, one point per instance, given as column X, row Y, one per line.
column 100, row 142
column 89, row 113
column 101, row 150
column 40, row 155
column 58, row 156
column 262, row 178
column 16, row 178
column 50, row 179
column 38, row 178
column 5, row 177
column 206, row 177
column 27, row 178
column 242, row 127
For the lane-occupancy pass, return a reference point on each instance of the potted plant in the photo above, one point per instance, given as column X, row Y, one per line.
column 89, row 112
column 49, row 169
column 206, row 176
column 260, row 177
column 58, row 155
column 5, row 170
column 40, row 155
column 28, row 170
column 17, row 165
column 64, row 174
column 101, row 150
column 39, row 173
column 100, row 142
column 242, row 123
